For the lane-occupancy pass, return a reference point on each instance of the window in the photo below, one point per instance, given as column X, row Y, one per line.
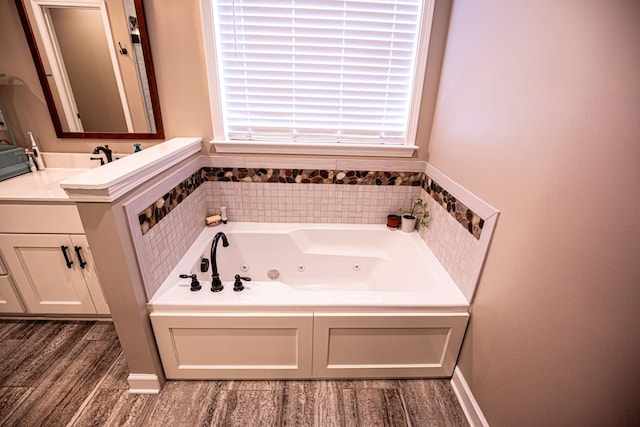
column 321, row 77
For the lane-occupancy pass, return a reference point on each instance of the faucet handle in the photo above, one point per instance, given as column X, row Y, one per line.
column 204, row 265
column 195, row 285
column 237, row 285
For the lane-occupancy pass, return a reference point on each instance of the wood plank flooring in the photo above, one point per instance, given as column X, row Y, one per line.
column 73, row 373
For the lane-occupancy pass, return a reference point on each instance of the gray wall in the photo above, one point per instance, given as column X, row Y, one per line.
column 538, row 114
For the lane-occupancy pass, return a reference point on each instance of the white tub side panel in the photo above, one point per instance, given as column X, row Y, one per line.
column 386, row 345
column 234, row 346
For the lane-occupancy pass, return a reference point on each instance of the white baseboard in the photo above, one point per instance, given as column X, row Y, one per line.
column 468, row 402
column 144, row 384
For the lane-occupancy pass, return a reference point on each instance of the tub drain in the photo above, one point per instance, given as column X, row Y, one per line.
column 273, row 274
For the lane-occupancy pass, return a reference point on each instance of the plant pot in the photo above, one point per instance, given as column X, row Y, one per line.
column 408, row 223
column 393, row 222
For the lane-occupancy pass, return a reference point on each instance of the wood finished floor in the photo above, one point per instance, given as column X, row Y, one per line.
column 68, row 373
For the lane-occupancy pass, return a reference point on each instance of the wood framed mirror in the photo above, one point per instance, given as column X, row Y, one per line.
column 93, row 60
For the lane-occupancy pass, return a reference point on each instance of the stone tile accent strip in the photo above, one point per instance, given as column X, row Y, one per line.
column 465, row 216
column 161, row 208
column 314, row 176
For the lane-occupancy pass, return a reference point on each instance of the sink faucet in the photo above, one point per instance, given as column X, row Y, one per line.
column 106, row 150
column 216, row 284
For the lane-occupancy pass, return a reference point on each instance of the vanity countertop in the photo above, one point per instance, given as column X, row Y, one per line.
column 41, row 186
column 88, row 182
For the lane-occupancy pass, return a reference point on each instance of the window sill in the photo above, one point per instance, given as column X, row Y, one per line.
column 313, row 149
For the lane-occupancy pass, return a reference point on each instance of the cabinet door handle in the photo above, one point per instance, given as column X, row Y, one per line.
column 79, row 255
column 66, row 256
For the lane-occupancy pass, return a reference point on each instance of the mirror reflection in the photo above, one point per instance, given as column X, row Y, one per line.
column 95, row 67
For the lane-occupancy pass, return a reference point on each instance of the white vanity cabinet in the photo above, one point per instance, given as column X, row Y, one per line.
column 33, row 244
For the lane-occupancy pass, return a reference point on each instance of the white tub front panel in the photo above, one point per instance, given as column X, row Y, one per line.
column 386, row 345
column 224, row 346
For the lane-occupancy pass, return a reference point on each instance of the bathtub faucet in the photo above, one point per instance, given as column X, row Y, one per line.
column 216, row 284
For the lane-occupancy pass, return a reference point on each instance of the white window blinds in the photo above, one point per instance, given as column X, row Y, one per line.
column 318, row 71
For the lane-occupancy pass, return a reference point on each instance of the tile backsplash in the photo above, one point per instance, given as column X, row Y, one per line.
column 162, row 246
column 452, row 244
column 460, row 229
column 270, row 194
column 267, row 194
column 272, row 202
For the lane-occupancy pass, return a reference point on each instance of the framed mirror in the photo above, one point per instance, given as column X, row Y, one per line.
column 93, row 61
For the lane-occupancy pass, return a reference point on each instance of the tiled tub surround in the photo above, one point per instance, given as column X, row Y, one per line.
column 365, row 207
column 339, row 204
column 459, row 243
column 453, row 245
column 310, row 204
column 163, row 246
column 170, row 224
column 177, row 221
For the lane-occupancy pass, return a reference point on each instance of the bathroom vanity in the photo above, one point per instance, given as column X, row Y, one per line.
column 46, row 265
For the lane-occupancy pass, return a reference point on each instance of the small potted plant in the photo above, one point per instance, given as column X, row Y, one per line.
column 419, row 212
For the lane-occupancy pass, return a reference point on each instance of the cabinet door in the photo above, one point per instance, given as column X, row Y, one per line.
column 41, row 274
column 89, row 272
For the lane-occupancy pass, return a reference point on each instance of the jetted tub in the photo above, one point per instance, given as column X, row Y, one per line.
column 325, row 301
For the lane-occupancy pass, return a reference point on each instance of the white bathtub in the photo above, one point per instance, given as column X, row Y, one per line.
column 319, row 265
column 350, row 301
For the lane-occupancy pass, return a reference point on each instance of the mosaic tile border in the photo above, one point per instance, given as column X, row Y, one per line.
column 314, row 176
column 470, row 220
column 151, row 215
